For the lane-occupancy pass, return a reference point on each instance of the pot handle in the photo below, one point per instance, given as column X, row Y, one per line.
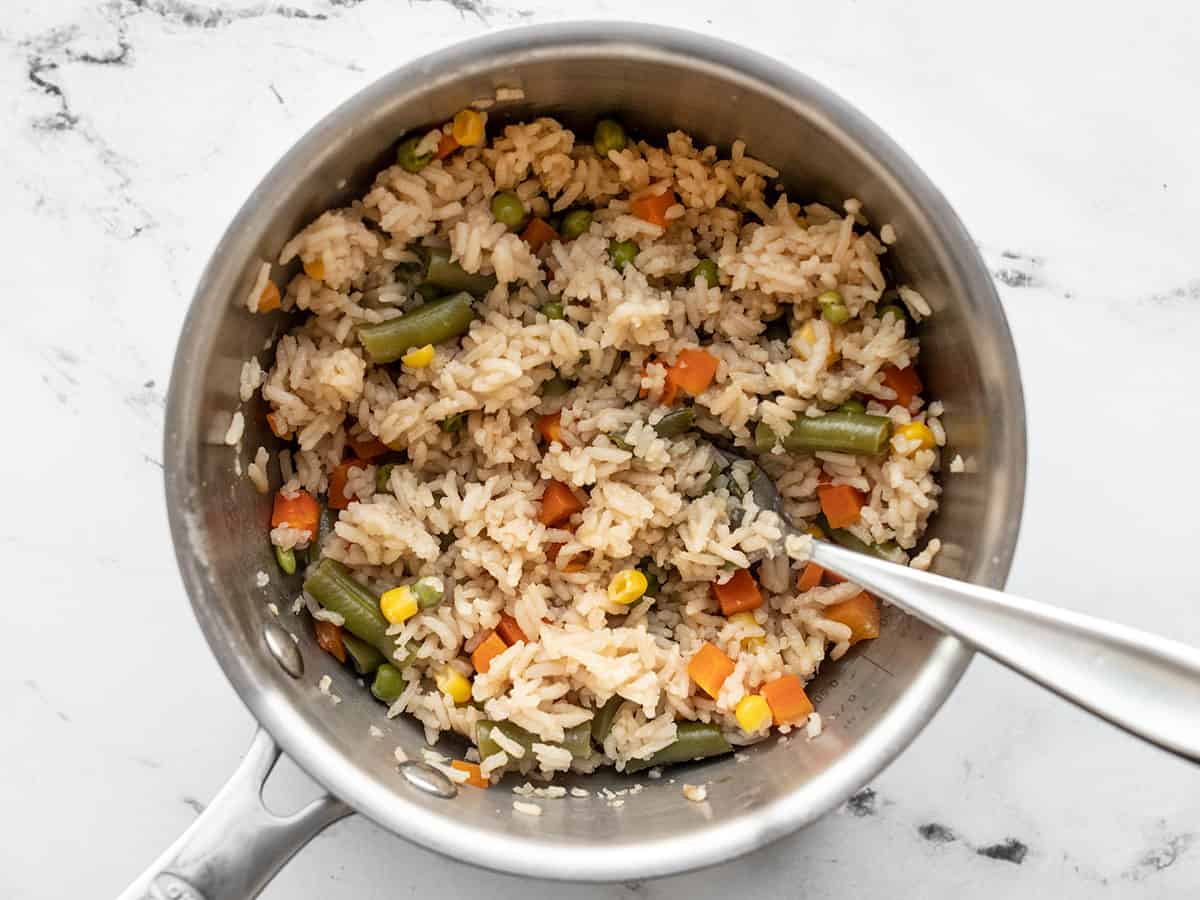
column 236, row 845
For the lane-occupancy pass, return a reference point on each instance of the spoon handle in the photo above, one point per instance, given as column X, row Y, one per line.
column 1143, row 683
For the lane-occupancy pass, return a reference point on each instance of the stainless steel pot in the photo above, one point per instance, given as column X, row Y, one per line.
column 873, row 702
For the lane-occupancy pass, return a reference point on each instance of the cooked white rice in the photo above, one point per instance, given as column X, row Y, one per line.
column 464, row 506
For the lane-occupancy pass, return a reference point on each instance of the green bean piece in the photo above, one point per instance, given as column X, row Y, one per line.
column 841, row 432
column 578, row 740
column 609, row 135
column 618, row 441
column 602, row 721
column 552, row 310
column 286, row 560
column 833, row 308
column 622, row 253
column 427, row 291
column 888, row 552
column 331, row 585
column 488, row 747
column 706, row 269
column 676, row 423
column 575, row 223
column 778, row 330
column 693, row 740
column 449, row 276
column 508, row 210
column 453, row 424
column 853, row 405
column 764, row 438
column 388, row 684
column 428, row 593
column 437, row 321
column 383, row 476
column 365, row 658
column 409, row 159
column 556, row 386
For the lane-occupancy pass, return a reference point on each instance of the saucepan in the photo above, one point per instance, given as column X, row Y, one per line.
column 874, row 701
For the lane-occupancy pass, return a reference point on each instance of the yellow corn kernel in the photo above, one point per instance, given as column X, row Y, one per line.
column 753, row 713
column 398, row 605
column 419, row 358
column 747, row 620
column 809, row 332
column 627, row 586
column 315, row 269
column 919, row 432
column 468, row 127
column 454, row 684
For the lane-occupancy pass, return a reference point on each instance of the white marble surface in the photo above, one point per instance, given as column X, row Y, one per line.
column 1065, row 135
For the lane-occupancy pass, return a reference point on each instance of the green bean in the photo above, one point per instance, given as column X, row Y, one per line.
column 409, row 159
column 853, row 405
column 602, row 721
column 889, row 551
column 609, row 135
column 436, row 321
column 488, row 747
column 556, row 386
column 693, row 740
column 331, row 585
column 842, row 432
column 576, row 223
column 388, row 684
column 453, row 424
column 449, row 276
column 578, row 740
column 622, row 253
column 676, row 423
column 833, row 308
column 618, row 441
column 365, row 658
column 706, row 269
column 552, row 310
column 286, row 560
column 508, row 210
column 428, row 593
column 427, row 291
column 764, row 438
column 383, row 476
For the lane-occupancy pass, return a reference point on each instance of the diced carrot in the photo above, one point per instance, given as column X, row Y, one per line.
column 558, row 504
column 269, row 299
column 301, row 512
column 276, row 424
column 510, row 632
column 840, row 503
column 905, row 382
column 833, row 578
column 474, row 774
column 810, row 577
column 694, row 371
column 709, row 668
column 787, row 699
column 446, row 146
column 329, row 638
column 653, row 208
column 368, row 448
column 489, row 648
column 739, row 594
column 578, row 563
column 337, row 498
column 549, row 426
column 537, row 234
column 860, row 614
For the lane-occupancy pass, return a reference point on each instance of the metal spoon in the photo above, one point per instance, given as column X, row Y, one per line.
column 1146, row 684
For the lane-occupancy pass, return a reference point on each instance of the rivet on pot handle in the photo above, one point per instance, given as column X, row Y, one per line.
column 236, row 845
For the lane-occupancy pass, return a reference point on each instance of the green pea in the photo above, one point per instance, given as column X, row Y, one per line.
column 508, row 209
column 575, row 223
column 556, row 386
column 383, row 476
column 854, row 406
column 453, row 424
column 286, row 560
column 428, row 593
column 551, row 310
column 833, row 309
column 891, row 309
column 409, row 159
column 706, row 269
column 622, row 253
column 609, row 135
column 388, row 684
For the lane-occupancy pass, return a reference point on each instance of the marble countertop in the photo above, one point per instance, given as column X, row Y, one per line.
column 1066, row 137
